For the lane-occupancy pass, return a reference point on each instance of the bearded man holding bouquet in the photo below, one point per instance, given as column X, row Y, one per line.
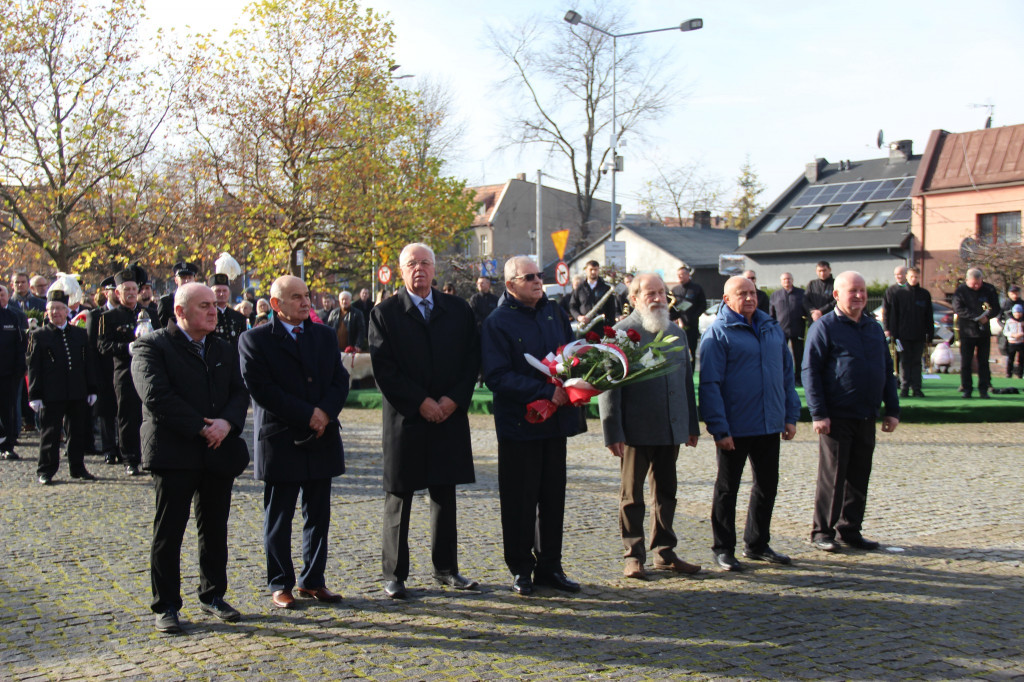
column 531, row 455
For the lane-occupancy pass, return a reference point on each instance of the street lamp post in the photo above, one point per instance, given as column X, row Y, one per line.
column 576, row 18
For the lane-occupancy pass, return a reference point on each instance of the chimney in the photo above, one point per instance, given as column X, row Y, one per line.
column 521, row 176
column 813, row 172
column 900, row 151
column 702, row 220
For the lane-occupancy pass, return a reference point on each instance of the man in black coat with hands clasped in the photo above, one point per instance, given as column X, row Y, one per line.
column 426, row 356
column 292, row 368
column 193, row 410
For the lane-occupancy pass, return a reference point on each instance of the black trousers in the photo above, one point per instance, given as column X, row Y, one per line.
column 278, row 509
column 129, row 420
column 692, row 341
column 796, row 347
column 1014, row 350
column 763, row 453
column 8, row 410
column 176, row 492
column 656, row 463
column 51, row 420
column 910, row 364
column 844, row 469
column 968, row 348
column 443, row 535
column 531, row 486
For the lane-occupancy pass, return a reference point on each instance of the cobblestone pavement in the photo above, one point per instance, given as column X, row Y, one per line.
column 944, row 600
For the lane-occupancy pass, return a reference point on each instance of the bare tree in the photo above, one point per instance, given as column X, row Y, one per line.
column 679, row 191
column 560, row 87
column 442, row 132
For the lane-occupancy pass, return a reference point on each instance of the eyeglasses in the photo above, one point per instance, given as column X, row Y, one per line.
column 422, row 263
column 529, row 277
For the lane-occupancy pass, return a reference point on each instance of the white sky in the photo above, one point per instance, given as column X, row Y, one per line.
column 784, row 81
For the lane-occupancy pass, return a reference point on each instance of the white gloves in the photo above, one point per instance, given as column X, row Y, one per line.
column 36, row 405
column 91, row 399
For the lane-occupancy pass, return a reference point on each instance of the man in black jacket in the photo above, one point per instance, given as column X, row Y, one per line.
column 13, row 341
column 483, row 302
column 230, row 322
column 589, row 294
column 818, row 298
column 975, row 303
column 104, row 410
column 786, row 305
column 910, row 324
column 687, row 303
column 194, row 407
column 61, row 383
column 426, row 354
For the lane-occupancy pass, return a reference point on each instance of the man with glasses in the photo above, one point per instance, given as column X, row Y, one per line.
column 425, row 351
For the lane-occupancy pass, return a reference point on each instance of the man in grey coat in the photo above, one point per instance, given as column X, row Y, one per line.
column 644, row 425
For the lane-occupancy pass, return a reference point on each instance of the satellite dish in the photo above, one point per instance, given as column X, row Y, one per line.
column 968, row 247
column 881, row 139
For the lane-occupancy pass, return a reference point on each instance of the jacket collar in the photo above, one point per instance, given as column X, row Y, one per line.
column 438, row 307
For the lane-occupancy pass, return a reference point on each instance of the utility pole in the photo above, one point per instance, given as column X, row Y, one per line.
column 539, row 234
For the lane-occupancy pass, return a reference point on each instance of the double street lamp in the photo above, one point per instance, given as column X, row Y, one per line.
column 576, row 18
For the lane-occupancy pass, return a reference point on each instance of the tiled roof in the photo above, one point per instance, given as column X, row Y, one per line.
column 489, row 196
column 981, row 157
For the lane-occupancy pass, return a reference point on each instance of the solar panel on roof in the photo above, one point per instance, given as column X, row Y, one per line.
column 884, row 190
column 901, row 214
column 845, row 192
column 807, row 196
column 801, row 218
column 842, row 215
column 827, row 192
column 865, row 190
column 903, row 191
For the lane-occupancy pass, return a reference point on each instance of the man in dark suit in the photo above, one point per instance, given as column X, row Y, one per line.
column 483, row 302
column 364, row 304
column 116, row 337
column 426, row 355
column 230, row 322
column 786, row 305
column 61, row 383
column 975, row 303
column 13, row 341
column 686, row 304
column 183, row 274
column 194, row 407
column 104, row 411
column 293, row 371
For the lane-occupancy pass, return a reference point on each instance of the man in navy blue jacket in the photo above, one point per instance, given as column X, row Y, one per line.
column 747, row 398
column 847, row 372
column 531, row 457
column 293, row 371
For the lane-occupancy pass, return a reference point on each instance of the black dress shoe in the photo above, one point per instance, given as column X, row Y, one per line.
column 45, row 479
column 168, row 622
column 825, row 544
column 84, row 475
column 727, row 562
column 132, row 470
column 767, row 554
column 395, row 589
column 918, row 394
column 221, row 609
column 557, row 580
column 10, row 455
column 111, row 458
column 983, row 394
column 456, row 581
column 522, row 585
column 860, row 542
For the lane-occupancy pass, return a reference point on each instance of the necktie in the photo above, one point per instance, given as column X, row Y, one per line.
column 297, row 331
column 200, row 348
column 425, row 304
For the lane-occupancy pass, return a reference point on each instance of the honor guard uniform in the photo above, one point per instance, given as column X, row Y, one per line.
column 230, row 322
column 104, row 410
column 183, row 274
column 116, row 335
column 13, row 339
column 61, row 383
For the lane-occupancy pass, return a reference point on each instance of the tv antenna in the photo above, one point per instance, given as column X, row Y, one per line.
column 991, row 110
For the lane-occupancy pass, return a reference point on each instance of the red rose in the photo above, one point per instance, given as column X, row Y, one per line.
column 633, row 335
column 592, row 337
column 609, row 333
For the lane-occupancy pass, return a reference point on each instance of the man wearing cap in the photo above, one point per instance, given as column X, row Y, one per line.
column 104, row 411
column 183, row 274
column 13, row 340
column 230, row 322
column 116, row 336
column 61, row 383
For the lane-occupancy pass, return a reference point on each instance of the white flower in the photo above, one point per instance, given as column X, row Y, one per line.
column 647, row 359
column 670, row 339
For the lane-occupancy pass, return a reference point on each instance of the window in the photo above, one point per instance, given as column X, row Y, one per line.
column 879, row 219
column 775, row 224
column 817, row 221
column 862, row 219
column 801, row 218
column 999, row 228
column 483, row 246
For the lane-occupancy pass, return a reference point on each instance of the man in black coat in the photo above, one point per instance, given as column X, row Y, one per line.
column 483, row 302
column 194, row 408
column 975, row 303
column 13, row 342
column 426, row 356
column 364, row 304
column 293, row 371
column 183, row 274
column 818, row 298
column 116, row 336
column 910, row 324
column 588, row 294
column 786, row 305
column 230, row 322
column 104, row 410
column 687, row 303
column 61, row 383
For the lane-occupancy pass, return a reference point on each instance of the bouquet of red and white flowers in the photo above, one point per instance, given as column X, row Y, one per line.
column 597, row 363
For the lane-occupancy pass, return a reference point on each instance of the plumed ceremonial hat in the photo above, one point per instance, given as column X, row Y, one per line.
column 220, row 278
column 57, row 295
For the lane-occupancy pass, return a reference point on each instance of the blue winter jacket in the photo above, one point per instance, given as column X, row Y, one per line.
column 510, row 331
column 747, row 383
column 847, row 369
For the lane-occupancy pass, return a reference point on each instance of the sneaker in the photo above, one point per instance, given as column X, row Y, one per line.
column 168, row 622
column 221, row 609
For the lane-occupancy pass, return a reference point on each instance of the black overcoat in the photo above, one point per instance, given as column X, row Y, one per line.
column 178, row 389
column 287, row 379
column 414, row 359
column 52, row 375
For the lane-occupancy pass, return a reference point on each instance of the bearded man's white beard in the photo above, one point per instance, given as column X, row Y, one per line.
column 654, row 319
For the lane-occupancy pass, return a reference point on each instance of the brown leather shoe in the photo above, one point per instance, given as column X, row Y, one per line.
column 283, row 599
column 634, row 569
column 320, row 594
column 679, row 566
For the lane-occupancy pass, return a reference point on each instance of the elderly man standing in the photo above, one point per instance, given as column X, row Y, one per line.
column 847, row 373
column 426, row 353
column 293, row 371
column 531, row 456
column 644, row 425
column 194, row 406
column 975, row 303
column 747, row 398
column 352, row 318
column 786, row 306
